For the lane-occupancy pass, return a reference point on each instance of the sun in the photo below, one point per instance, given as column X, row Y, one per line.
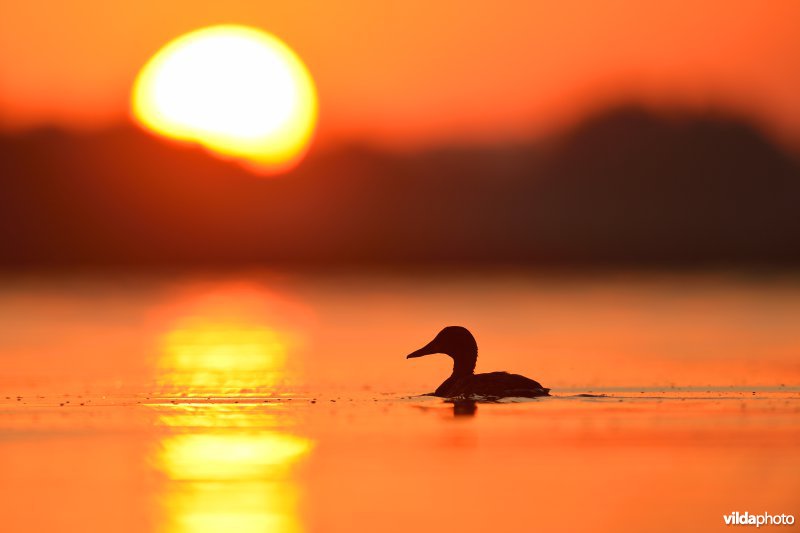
column 239, row 91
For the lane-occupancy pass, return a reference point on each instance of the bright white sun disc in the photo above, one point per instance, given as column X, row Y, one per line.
column 237, row 90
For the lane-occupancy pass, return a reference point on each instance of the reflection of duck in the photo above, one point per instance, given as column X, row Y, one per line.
column 458, row 343
column 464, row 407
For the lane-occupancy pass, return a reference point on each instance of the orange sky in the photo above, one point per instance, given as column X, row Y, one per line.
column 416, row 72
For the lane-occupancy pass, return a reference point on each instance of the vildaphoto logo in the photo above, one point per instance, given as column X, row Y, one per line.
column 765, row 519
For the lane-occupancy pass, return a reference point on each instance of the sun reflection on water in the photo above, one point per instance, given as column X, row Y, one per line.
column 231, row 480
column 227, row 466
column 223, row 357
column 229, row 339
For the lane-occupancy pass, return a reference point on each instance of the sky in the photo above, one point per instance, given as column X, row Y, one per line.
column 417, row 72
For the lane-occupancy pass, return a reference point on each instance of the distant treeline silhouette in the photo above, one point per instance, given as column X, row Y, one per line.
column 626, row 187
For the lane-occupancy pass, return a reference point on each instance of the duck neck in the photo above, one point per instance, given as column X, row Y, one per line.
column 464, row 364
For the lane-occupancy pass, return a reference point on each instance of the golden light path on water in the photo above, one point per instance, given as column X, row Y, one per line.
column 228, row 466
column 219, row 357
column 223, row 478
column 230, row 339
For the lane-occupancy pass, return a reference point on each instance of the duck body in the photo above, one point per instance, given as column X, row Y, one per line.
column 491, row 384
column 458, row 343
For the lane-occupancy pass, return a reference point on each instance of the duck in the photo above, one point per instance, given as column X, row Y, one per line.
column 458, row 343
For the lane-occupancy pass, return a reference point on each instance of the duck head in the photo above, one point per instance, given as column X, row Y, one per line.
column 458, row 343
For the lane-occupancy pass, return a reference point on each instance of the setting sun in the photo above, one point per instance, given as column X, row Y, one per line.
column 236, row 90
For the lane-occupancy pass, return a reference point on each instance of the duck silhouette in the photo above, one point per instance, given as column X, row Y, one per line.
column 458, row 343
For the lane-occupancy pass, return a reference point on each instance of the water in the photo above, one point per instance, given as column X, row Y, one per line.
column 278, row 402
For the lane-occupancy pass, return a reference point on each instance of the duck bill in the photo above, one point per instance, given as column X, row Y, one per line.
column 425, row 350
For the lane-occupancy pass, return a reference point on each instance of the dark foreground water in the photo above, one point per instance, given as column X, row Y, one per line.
column 272, row 402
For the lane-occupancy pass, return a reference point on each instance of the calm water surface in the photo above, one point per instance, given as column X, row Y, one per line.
column 275, row 402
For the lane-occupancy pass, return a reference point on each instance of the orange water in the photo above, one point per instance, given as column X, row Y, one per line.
column 275, row 402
